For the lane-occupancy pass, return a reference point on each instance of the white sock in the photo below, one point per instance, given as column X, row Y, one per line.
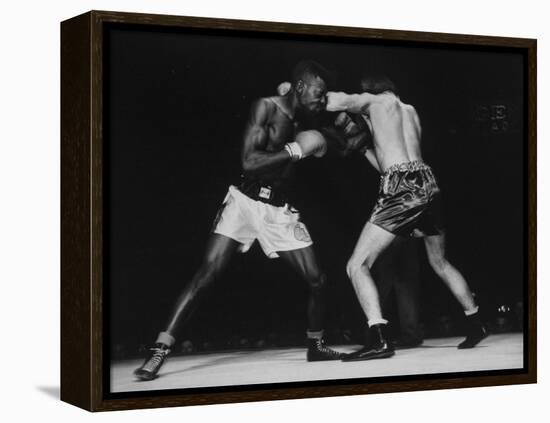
column 472, row 311
column 378, row 321
column 166, row 339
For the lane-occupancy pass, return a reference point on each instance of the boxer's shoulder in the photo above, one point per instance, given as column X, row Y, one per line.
column 387, row 99
column 278, row 105
column 261, row 102
column 275, row 101
column 262, row 109
column 265, row 104
column 409, row 109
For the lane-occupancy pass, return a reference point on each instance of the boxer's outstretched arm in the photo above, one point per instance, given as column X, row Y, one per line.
column 353, row 103
column 254, row 156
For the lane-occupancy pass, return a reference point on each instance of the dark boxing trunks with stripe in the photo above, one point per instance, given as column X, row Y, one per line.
column 408, row 201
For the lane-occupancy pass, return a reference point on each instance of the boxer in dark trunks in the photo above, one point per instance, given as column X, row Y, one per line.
column 258, row 210
column 408, row 205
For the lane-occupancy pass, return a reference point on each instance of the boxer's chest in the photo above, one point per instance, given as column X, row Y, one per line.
column 281, row 130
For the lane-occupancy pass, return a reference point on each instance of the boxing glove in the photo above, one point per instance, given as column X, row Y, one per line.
column 283, row 88
column 347, row 125
column 312, row 143
column 295, row 151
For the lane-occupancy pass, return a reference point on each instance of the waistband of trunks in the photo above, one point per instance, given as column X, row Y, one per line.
column 258, row 191
column 406, row 167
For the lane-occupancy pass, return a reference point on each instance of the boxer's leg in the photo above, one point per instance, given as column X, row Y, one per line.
column 219, row 251
column 372, row 241
column 385, row 274
column 435, row 248
column 304, row 262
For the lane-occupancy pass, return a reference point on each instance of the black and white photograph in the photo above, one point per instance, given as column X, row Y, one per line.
column 287, row 209
column 284, row 211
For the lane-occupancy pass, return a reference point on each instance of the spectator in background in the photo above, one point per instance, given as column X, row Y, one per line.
column 397, row 271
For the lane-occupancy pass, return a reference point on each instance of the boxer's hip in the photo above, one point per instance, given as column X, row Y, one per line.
column 264, row 192
column 414, row 178
column 246, row 220
column 408, row 200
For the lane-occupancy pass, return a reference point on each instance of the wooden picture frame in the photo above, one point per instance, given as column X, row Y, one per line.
column 83, row 311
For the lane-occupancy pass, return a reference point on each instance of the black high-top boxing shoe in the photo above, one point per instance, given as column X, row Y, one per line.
column 153, row 363
column 475, row 332
column 380, row 346
column 318, row 351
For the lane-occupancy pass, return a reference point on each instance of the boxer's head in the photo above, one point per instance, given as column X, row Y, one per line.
column 377, row 84
column 309, row 86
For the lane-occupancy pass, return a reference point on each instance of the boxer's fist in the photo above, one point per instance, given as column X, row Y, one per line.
column 283, row 88
column 312, row 143
column 337, row 102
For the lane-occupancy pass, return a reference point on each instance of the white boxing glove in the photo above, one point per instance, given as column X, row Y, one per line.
column 283, row 88
column 295, row 151
column 312, row 143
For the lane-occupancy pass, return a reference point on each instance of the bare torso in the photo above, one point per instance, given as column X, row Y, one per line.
column 279, row 128
column 394, row 125
column 396, row 130
column 280, row 124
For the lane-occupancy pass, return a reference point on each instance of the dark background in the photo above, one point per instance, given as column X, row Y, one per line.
column 177, row 103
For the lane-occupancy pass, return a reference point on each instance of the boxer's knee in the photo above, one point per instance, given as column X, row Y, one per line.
column 317, row 282
column 352, row 267
column 355, row 266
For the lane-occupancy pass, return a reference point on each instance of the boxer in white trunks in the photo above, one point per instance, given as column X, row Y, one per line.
column 257, row 209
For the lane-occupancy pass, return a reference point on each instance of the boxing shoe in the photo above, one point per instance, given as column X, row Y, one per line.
column 475, row 332
column 379, row 347
column 318, row 351
column 153, row 363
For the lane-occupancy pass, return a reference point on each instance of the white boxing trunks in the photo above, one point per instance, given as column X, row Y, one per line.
column 246, row 220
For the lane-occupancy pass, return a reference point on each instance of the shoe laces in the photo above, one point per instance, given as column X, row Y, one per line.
column 321, row 347
column 158, row 356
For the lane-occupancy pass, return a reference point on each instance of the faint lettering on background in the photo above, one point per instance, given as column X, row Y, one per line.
column 494, row 118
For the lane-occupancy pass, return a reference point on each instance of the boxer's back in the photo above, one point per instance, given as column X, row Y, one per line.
column 411, row 132
column 396, row 130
